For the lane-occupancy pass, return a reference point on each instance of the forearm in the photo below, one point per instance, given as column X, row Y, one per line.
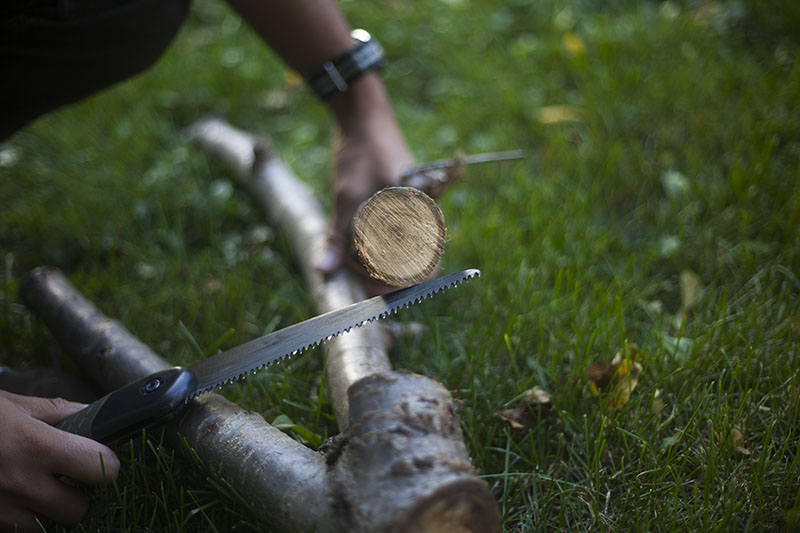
column 370, row 152
column 306, row 34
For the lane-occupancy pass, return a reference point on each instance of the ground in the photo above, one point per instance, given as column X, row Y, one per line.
column 656, row 216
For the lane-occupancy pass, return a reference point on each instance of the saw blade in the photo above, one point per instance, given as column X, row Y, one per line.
column 258, row 353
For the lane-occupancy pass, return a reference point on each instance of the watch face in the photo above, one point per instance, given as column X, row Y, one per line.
column 360, row 35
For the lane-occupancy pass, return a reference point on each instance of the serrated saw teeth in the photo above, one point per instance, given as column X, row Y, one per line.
column 256, row 354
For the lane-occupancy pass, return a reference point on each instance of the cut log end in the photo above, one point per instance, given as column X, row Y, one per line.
column 399, row 236
column 463, row 507
column 404, row 466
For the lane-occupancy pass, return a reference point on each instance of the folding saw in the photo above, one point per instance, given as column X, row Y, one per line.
column 165, row 394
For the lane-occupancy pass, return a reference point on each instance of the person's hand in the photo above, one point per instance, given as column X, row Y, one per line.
column 37, row 462
column 371, row 154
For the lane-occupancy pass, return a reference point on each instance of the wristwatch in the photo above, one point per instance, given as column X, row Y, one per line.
column 336, row 75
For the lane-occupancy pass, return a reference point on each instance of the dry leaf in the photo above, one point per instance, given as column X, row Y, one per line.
column 573, row 43
column 520, row 418
column 536, row 402
column 625, row 380
column 537, row 397
column 600, row 374
column 734, row 441
column 619, row 378
column 737, row 439
column 691, row 289
column 554, row 114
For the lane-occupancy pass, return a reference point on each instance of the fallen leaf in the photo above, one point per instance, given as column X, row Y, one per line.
column 537, row 397
column 536, row 402
column 619, row 378
column 734, row 440
column 625, row 380
column 554, row 114
column 573, row 43
column 737, row 439
column 520, row 418
column 691, row 289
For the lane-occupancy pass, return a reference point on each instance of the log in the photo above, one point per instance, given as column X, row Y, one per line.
column 399, row 235
column 437, row 488
column 282, row 480
column 292, row 207
column 400, row 463
column 404, row 465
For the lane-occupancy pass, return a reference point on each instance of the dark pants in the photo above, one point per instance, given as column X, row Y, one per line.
column 56, row 52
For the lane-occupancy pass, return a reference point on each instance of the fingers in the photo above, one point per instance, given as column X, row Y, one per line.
column 370, row 155
column 35, row 456
column 82, row 459
column 49, row 410
column 347, row 200
column 13, row 518
column 52, row 499
column 26, row 496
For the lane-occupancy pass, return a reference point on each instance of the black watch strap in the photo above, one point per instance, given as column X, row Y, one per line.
column 336, row 75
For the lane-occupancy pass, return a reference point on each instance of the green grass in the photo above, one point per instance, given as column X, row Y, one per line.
column 685, row 159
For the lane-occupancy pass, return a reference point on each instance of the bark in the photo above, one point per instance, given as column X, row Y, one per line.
column 404, row 465
column 400, row 463
column 282, row 480
column 399, row 235
column 292, row 207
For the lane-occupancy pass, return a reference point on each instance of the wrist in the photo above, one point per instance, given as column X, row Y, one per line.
column 338, row 73
column 365, row 102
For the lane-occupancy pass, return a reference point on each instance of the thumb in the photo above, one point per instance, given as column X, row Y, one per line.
column 48, row 410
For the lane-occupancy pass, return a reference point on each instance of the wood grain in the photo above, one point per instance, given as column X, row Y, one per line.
column 399, row 235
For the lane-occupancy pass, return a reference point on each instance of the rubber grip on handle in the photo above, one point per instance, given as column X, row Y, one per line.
column 81, row 422
column 138, row 405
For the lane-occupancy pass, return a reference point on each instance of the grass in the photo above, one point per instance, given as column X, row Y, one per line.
column 658, row 206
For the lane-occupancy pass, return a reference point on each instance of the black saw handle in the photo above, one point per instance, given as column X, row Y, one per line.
column 110, row 355
column 120, row 414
